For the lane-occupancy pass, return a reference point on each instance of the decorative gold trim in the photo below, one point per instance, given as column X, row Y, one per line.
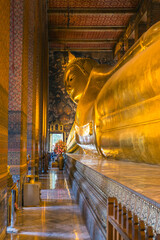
column 3, row 175
column 3, row 234
column 17, row 166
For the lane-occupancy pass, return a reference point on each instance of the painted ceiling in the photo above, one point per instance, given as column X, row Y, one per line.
column 91, row 25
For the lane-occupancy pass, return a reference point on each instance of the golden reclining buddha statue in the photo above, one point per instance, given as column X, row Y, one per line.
column 118, row 108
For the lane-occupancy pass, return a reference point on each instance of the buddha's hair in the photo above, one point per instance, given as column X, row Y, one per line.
column 84, row 64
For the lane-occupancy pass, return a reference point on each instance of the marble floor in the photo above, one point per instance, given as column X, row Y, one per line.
column 58, row 216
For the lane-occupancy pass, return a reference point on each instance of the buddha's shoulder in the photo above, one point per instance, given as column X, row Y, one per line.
column 101, row 68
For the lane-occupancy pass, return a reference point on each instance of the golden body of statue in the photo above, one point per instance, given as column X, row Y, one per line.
column 118, row 108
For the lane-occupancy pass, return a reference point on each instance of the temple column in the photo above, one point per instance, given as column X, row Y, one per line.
column 35, row 122
column 142, row 28
column 18, row 90
column 37, row 81
column 130, row 42
column 4, row 70
column 31, row 86
column 136, row 35
column 45, row 90
column 153, row 11
column 126, row 45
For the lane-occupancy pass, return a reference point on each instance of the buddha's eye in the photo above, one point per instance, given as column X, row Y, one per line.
column 70, row 79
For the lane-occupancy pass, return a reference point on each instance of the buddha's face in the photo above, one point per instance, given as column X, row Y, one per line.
column 75, row 83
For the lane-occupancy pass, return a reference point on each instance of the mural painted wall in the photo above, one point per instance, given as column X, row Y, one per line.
column 61, row 107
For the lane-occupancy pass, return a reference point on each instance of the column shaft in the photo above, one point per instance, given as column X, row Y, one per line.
column 4, row 73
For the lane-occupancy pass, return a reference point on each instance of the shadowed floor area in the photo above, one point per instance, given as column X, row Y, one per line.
column 58, row 216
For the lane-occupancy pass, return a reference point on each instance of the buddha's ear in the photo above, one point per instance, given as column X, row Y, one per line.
column 71, row 57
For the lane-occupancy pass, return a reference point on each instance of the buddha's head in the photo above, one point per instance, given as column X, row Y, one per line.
column 76, row 76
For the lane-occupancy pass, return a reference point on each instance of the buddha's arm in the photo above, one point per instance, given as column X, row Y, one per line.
column 71, row 142
column 97, row 79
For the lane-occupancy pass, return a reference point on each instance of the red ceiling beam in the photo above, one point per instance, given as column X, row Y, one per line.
column 92, row 11
column 80, row 49
column 91, row 41
column 87, row 28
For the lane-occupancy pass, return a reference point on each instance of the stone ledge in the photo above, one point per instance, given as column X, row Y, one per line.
column 97, row 187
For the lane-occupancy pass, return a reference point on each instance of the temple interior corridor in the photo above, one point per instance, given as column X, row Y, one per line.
column 57, row 217
column 80, row 119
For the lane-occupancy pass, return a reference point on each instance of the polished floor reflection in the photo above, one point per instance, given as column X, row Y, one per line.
column 58, row 217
